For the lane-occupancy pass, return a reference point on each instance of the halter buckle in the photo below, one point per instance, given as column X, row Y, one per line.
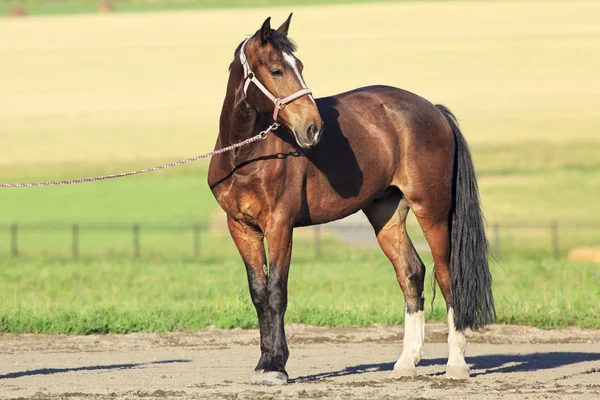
column 279, row 104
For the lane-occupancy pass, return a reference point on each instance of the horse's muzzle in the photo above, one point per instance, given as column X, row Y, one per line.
column 311, row 137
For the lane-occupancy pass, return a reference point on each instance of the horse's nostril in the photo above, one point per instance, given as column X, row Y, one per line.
column 311, row 132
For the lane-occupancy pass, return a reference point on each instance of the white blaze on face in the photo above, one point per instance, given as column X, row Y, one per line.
column 291, row 60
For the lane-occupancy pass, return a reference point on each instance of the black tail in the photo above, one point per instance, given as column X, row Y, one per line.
column 471, row 284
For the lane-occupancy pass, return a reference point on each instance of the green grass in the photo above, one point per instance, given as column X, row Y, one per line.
column 344, row 289
column 165, row 196
column 126, row 91
column 525, row 204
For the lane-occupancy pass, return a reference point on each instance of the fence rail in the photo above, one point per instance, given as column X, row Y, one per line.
column 77, row 229
column 499, row 234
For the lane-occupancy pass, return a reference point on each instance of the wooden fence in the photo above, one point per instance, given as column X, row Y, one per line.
column 548, row 237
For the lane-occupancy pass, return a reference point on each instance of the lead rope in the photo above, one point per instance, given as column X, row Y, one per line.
column 260, row 136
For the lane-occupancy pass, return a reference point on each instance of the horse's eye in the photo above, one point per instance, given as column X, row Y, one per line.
column 277, row 72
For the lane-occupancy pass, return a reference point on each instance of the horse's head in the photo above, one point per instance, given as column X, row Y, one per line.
column 273, row 83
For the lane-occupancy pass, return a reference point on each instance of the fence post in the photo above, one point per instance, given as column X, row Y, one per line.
column 555, row 248
column 136, row 240
column 14, row 229
column 197, row 240
column 75, row 241
column 496, row 239
column 317, row 241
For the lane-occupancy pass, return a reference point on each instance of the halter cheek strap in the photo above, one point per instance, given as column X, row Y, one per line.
column 250, row 76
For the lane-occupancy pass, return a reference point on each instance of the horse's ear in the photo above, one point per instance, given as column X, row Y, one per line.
column 265, row 31
column 283, row 29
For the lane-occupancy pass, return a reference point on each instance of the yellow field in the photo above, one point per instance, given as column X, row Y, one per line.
column 523, row 78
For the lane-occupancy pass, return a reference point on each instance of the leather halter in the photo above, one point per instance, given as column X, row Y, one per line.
column 250, row 76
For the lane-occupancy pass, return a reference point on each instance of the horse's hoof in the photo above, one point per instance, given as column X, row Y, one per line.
column 402, row 372
column 257, row 377
column 457, row 372
column 269, row 378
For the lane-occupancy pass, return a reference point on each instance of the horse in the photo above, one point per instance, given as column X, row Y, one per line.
column 378, row 149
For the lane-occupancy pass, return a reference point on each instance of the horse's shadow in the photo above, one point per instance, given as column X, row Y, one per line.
column 52, row 371
column 490, row 364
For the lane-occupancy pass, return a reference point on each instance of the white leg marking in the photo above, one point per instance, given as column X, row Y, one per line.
column 412, row 347
column 291, row 60
column 457, row 344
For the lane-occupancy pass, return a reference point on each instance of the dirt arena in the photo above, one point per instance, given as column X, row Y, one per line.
column 506, row 362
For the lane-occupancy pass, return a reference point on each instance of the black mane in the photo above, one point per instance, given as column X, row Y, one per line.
column 279, row 42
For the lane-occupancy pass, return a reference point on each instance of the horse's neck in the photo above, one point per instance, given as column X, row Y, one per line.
column 238, row 119
column 238, row 122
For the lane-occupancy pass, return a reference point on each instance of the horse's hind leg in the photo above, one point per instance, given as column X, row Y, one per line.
column 434, row 223
column 388, row 218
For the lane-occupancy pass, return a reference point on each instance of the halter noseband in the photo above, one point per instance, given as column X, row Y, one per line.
column 250, row 76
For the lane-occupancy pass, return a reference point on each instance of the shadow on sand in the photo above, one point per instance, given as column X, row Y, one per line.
column 52, row 371
column 490, row 364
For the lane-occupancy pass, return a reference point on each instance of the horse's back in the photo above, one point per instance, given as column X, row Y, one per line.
column 382, row 136
column 380, row 105
column 374, row 137
column 388, row 122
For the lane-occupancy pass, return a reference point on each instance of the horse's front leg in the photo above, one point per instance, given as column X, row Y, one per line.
column 249, row 242
column 280, row 253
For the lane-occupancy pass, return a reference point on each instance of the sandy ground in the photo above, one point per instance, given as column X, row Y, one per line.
column 506, row 362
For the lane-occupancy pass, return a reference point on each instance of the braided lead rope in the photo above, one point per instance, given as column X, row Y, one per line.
column 261, row 135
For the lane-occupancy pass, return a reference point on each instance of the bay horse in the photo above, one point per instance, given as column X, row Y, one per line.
column 378, row 149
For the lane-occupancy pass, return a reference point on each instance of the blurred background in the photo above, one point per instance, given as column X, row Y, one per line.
column 96, row 87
